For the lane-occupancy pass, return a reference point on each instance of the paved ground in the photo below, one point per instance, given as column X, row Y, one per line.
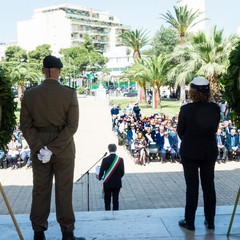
column 154, row 186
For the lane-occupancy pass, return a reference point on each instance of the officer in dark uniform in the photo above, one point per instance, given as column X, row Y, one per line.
column 197, row 126
column 112, row 170
column 48, row 120
column 137, row 110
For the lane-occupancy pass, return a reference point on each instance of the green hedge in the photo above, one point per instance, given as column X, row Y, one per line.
column 231, row 83
column 8, row 107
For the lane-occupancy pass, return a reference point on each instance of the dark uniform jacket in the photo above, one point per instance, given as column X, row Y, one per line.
column 49, row 105
column 115, row 180
column 197, row 126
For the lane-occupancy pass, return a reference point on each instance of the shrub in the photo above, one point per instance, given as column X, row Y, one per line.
column 81, row 90
column 7, row 107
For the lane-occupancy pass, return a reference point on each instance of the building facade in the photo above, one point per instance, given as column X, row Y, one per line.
column 64, row 25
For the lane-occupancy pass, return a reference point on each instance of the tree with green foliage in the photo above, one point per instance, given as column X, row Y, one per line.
column 7, row 110
column 153, row 70
column 15, row 53
column 164, row 41
column 82, row 58
column 136, row 40
column 74, row 59
column 22, row 72
column 205, row 55
column 88, row 43
column 96, row 60
column 19, row 69
column 231, row 85
column 183, row 20
column 37, row 55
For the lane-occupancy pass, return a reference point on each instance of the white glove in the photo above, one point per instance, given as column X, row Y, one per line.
column 44, row 155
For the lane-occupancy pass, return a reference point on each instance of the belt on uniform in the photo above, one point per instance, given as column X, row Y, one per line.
column 50, row 129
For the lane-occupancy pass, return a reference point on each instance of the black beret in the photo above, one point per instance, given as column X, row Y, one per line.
column 52, row 62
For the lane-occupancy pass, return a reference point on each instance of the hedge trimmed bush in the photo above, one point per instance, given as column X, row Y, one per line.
column 81, row 90
column 231, row 82
column 7, row 110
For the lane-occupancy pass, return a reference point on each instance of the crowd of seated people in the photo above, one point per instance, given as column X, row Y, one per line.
column 139, row 132
column 158, row 130
column 17, row 152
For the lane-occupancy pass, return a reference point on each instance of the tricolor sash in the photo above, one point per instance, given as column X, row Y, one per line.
column 111, row 169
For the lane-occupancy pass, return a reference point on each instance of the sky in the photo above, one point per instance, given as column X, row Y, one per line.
column 138, row 14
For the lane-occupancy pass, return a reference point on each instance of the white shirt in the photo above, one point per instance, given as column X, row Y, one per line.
column 166, row 143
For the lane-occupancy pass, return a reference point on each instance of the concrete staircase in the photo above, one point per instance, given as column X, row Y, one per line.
column 151, row 224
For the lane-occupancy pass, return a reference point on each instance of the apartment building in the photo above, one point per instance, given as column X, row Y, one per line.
column 64, row 25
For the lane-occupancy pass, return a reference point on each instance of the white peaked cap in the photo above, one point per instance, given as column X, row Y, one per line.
column 200, row 84
column 200, row 81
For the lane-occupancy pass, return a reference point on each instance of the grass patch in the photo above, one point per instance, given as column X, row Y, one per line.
column 168, row 107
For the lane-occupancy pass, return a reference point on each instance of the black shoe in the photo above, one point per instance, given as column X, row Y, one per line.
column 183, row 223
column 70, row 236
column 39, row 235
column 209, row 225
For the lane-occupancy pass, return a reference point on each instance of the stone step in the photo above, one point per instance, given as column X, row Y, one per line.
column 150, row 224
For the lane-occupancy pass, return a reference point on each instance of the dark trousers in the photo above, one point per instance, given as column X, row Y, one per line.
column 206, row 168
column 62, row 170
column 114, row 193
column 12, row 160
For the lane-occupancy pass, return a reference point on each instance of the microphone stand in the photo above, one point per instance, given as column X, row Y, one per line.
column 87, row 172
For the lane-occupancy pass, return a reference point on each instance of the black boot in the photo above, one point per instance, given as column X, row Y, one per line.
column 39, row 235
column 70, row 236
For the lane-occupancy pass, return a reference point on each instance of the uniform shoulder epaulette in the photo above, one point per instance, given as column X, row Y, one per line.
column 69, row 87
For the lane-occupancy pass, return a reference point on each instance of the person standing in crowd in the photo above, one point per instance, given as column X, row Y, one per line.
column 128, row 109
column 114, row 114
column 49, row 119
column 131, row 136
column 111, row 171
column 222, row 150
column 197, row 126
column 137, row 110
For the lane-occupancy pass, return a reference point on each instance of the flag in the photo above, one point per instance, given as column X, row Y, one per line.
column 90, row 13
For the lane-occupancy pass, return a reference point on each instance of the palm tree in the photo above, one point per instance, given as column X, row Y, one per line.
column 206, row 56
column 20, row 73
column 153, row 70
column 183, row 20
column 136, row 40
